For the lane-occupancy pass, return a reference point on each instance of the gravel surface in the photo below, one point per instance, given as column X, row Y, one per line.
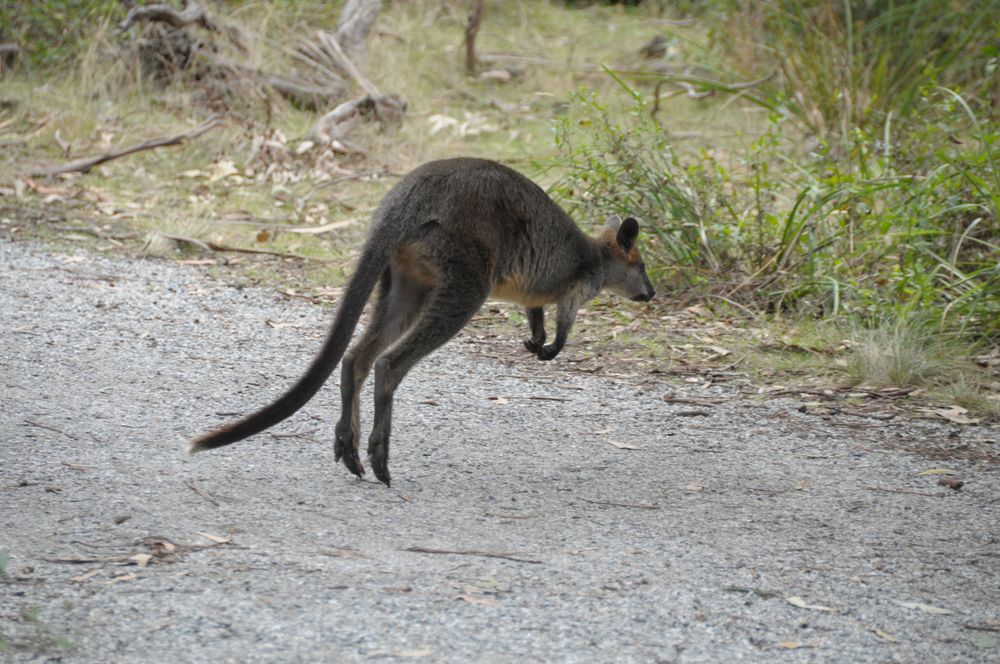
column 745, row 531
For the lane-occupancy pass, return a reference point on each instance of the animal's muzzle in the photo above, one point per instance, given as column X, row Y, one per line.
column 644, row 297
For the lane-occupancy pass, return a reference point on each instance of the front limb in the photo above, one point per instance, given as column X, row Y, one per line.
column 536, row 322
column 566, row 310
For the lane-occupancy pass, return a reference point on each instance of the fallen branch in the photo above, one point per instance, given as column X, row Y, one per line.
column 84, row 165
column 214, row 246
column 192, row 13
column 472, row 552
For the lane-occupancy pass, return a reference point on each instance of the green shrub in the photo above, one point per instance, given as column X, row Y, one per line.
column 905, row 224
column 50, row 31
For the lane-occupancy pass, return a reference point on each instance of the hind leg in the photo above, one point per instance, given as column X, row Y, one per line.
column 448, row 308
column 399, row 301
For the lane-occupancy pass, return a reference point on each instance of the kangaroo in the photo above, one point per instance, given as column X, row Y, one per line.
column 449, row 235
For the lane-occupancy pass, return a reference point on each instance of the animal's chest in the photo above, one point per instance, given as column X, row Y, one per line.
column 514, row 290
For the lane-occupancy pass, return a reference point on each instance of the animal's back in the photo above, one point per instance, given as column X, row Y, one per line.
column 484, row 208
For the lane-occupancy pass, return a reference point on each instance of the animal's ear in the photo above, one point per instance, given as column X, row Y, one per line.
column 627, row 233
column 613, row 222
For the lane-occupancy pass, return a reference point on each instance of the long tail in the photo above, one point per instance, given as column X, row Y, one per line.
column 373, row 261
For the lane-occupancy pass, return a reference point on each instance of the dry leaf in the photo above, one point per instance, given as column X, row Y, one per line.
column 937, row 471
column 131, row 576
column 141, row 559
column 481, row 601
column 263, row 236
column 926, row 608
column 223, row 169
column 951, row 483
column 500, row 401
column 621, row 446
column 315, row 230
column 694, row 487
column 955, row 414
column 885, row 635
column 799, row 602
column 401, row 653
column 218, row 539
column 86, row 575
column 795, row 645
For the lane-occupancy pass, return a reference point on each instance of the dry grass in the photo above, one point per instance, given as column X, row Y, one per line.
column 903, row 353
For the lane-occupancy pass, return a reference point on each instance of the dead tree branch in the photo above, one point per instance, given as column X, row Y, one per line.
column 471, row 30
column 192, row 13
column 356, row 21
column 84, row 165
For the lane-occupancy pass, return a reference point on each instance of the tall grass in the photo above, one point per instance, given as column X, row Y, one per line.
column 844, row 64
column 893, row 232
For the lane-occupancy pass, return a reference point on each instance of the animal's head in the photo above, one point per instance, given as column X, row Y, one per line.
column 625, row 273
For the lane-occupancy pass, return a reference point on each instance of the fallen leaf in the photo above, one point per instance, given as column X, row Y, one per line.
column 481, row 601
column 223, row 169
column 885, row 635
column 951, row 483
column 500, row 401
column 795, row 645
column 218, row 539
column 621, row 446
column 926, row 608
column 141, row 559
column 316, row 230
column 937, row 471
column 131, row 576
column 86, row 575
column 694, row 487
column 401, row 653
column 263, row 236
column 955, row 414
column 799, row 602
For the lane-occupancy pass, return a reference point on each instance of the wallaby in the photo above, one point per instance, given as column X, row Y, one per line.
column 448, row 236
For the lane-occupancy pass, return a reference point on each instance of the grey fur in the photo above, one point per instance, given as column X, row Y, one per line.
column 451, row 234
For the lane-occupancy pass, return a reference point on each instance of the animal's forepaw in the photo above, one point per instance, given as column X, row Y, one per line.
column 546, row 353
column 533, row 345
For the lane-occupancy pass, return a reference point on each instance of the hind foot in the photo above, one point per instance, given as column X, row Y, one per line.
column 379, row 458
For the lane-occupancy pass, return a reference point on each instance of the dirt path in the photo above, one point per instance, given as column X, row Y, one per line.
column 692, row 547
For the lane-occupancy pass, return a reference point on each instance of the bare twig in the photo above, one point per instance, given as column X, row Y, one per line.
column 907, row 491
column 332, row 45
column 473, row 552
column 45, row 426
column 214, row 246
column 84, row 165
column 201, row 492
column 637, row 506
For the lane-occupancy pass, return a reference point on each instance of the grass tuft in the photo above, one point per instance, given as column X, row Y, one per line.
column 901, row 353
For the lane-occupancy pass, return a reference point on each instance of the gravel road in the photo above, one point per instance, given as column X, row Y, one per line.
column 599, row 524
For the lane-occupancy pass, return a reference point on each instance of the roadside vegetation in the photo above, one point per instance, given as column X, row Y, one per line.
column 820, row 180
